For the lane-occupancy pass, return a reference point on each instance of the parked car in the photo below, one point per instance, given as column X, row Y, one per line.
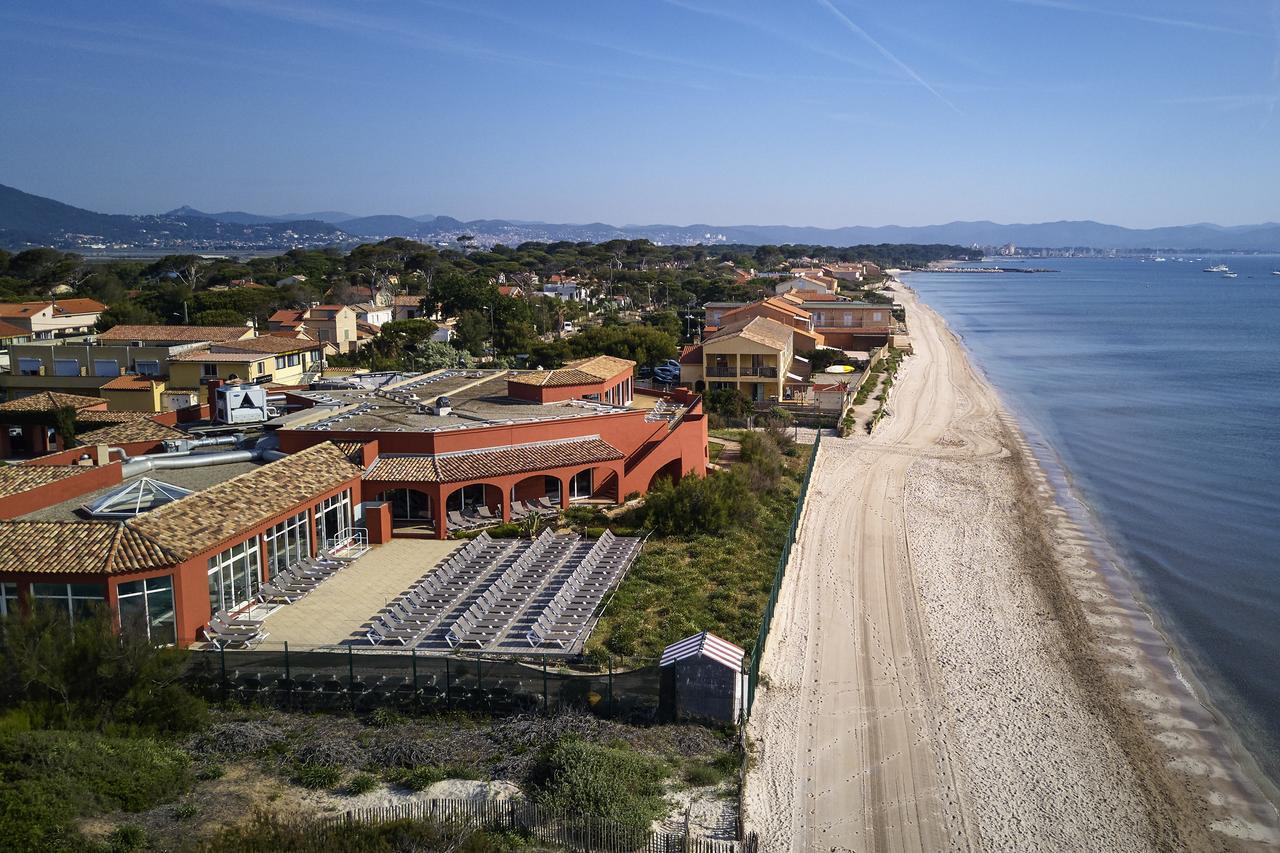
column 666, row 374
column 671, row 363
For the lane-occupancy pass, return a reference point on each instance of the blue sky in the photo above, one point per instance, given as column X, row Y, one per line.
column 805, row 112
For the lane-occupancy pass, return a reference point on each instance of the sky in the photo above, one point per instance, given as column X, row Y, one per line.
column 797, row 112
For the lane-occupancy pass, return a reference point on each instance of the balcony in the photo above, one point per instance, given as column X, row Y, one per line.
column 720, row 371
column 763, row 372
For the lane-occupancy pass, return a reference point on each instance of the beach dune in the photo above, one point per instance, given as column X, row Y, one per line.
column 948, row 669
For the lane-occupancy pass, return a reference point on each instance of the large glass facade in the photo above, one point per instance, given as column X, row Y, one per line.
column 146, row 607
column 288, row 543
column 580, row 485
column 234, row 575
column 77, row 600
column 333, row 515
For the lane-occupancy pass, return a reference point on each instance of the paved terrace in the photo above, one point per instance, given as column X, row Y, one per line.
column 338, row 609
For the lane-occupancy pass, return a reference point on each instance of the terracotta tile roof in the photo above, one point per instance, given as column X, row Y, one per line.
column 222, row 512
column 82, row 547
column 351, row 449
column 407, row 299
column 272, row 344
column 22, row 309
column 495, row 462
column 130, row 382
column 85, row 417
column 762, row 330
column 78, row 306
column 16, row 479
column 186, row 334
column 286, row 315
column 48, row 401
column 691, row 354
column 584, row 371
column 8, row 330
column 250, row 349
column 126, row 432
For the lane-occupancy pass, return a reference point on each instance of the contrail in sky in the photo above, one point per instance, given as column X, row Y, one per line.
column 1132, row 16
column 863, row 34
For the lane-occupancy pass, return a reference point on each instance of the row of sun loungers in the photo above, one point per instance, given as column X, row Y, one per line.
column 484, row 517
column 224, row 630
column 285, row 587
column 510, row 577
column 563, row 620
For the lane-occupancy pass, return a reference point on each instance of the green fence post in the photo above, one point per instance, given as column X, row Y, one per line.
column 610, row 685
column 222, row 656
column 448, row 686
column 351, row 669
column 546, row 707
column 413, row 657
column 286, row 660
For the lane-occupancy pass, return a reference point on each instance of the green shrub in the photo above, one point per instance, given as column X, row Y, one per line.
column 50, row 778
column 383, row 717
column 700, row 774
column 416, row 778
column 126, row 836
column 271, row 834
column 361, row 783
column 316, row 775
column 210, row 772
column 185, row 811
column 93, row 677
column 580, row 778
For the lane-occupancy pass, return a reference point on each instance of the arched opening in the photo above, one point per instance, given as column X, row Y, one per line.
column 699, row 386
column 409, row 507
column 672, row 471
column 537, row 489
column 474, row 496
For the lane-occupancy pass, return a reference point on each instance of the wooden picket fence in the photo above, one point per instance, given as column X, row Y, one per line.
column 574, row 832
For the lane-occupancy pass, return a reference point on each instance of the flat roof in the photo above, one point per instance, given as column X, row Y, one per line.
column 401, row 403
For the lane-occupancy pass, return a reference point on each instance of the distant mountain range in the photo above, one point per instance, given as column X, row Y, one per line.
column 27, row 220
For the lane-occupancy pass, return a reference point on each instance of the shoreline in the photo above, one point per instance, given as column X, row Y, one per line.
column 957, row 669
column 1220, row 754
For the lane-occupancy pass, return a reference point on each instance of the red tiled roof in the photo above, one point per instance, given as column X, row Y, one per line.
column 8, row 330
column 691, row 354
column 83, row 547
column 48, row 401
column 187, row 334
column 584, row 371
column 495, row 462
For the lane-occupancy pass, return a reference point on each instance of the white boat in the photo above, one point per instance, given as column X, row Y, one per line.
column 1275, row 272
column 1218, row 268
column 1160, row 260
column 1231, row 275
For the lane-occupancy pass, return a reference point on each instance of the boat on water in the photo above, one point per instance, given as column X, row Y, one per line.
column 1275, row 272
column 1218, row 268
column 1231, row 275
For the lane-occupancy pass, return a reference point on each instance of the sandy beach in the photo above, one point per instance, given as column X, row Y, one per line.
column 953, row 667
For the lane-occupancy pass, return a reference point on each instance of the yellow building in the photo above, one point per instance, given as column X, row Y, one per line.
column 753, row 355
column 133, row 393
column 265, row 360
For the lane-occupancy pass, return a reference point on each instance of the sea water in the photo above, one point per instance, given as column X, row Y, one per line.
column 1157, row 386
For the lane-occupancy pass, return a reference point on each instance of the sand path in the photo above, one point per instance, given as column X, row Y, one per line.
column 883, row 727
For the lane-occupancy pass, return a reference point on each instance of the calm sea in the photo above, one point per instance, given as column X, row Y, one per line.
column 1157, row 386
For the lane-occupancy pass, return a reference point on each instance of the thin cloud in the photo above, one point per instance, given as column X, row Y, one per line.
column 399, row 31
column 886, row 53
column 1201, row 26
column 780, row 35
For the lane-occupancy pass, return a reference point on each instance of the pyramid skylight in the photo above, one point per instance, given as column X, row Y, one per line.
column 132, row 499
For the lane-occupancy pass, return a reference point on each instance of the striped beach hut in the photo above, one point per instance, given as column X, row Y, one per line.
column 702, row 678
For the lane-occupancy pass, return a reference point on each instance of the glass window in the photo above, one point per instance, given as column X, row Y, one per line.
column 234, row 575
column 77, row 600
column 66, row 367
column 148, row 368
column 146, row 606
column 280, row 362
column 876, row 315
column 295, row 360
column 209, row 369
column 333, row 515
column 8, row 599
column 288, row 543
column 580, row 485
column 466, row 498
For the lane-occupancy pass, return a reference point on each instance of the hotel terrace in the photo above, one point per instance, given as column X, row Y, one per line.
column 174, row 524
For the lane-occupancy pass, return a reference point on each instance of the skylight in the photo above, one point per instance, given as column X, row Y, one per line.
column 133, row 499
